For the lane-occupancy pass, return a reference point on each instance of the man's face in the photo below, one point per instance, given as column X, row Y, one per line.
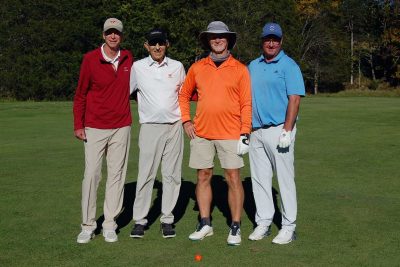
column 271, row 46
column 157, row 49
column 113, row 38
column 218, row 43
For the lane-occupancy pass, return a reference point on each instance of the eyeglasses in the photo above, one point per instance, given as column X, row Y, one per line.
column 154, row 42
column 273, row 41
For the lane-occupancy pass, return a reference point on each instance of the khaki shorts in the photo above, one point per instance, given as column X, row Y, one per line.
column 202, row 152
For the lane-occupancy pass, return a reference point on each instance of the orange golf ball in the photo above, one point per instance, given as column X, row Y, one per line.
column 198, row 257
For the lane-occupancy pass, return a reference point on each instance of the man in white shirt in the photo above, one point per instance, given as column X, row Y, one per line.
column 157, row 80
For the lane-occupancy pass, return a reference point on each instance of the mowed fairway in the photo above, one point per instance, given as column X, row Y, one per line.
column 347, row 175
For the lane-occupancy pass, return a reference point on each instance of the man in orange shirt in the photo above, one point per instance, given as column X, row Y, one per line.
column 221, row 125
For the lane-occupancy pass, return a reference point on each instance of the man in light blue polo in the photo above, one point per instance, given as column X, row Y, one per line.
column 277, row 86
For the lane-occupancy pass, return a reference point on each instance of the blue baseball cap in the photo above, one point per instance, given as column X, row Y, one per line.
column 272, row 29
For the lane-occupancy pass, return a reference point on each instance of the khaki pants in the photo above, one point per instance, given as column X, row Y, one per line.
column 114, row 143
column 159, row 143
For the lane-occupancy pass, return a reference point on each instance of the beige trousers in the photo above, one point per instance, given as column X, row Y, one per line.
column 114, row 143
column 159, row 143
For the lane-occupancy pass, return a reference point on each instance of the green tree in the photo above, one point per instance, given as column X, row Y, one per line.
column 42, row 42
column 42, row 46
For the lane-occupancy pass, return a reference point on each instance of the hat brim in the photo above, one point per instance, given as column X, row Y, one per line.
column 112, row 28
column 203, row 38
column 160, row 37
column 271, row 34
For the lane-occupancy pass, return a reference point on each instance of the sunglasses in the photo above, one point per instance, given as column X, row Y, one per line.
column 154, row 42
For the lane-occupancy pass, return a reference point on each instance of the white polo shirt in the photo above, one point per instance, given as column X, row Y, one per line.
column 158, row 87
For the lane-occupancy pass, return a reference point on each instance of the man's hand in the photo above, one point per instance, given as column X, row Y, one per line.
column 243, row 144
column 285, row 139
column 189, row 129
column 80, row 134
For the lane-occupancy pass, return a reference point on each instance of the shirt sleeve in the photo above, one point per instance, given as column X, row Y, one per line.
column 182, row 74
column 81, row 94
column 133, row 80
column 186, row 93
column 294, row 81
column 245, row 102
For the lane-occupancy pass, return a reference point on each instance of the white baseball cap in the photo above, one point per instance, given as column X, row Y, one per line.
column 113, row 23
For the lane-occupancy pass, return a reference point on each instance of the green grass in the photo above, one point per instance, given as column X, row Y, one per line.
column 389, row 92
column 348, row 181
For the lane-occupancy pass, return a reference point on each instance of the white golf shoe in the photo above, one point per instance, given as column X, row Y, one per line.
column 284, row 237
column 110, row 236
column 234, row 237
column 201, row 232
column 85, row 236
column 260, row 232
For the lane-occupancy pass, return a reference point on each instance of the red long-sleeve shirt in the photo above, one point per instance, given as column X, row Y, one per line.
column 102, row 96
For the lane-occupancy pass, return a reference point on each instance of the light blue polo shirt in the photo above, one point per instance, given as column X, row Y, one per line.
column 271, row 84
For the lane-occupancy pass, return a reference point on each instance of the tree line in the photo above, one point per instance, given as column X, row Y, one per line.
column 338, row 44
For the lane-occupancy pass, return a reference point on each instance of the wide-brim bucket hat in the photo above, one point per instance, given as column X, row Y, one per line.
column 217, row 27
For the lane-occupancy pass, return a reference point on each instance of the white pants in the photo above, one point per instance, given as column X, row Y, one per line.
column 114, row 143
column 265, row 160
column 159, row 143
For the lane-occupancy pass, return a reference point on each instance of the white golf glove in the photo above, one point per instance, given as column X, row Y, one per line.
column 243, row 144
column 285, row 139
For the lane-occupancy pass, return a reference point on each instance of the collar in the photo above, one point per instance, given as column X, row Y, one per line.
column 228, row 62
column 276, row 59
column 151, row 61
column 106, row 58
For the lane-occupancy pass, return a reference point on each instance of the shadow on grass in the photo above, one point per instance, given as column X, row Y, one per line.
column 250, row 205
column 220, row 201
column 187, row 192
column 125, row 217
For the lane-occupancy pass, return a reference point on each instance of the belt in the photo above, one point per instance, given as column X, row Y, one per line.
column 267, row 126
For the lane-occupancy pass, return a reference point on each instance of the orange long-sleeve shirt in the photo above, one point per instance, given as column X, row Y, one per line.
column 224, row 99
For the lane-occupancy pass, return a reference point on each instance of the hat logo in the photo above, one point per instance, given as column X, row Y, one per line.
column 272, row 28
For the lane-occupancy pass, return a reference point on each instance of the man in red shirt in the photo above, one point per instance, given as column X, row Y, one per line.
column 221, row 125
column 102, row 119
